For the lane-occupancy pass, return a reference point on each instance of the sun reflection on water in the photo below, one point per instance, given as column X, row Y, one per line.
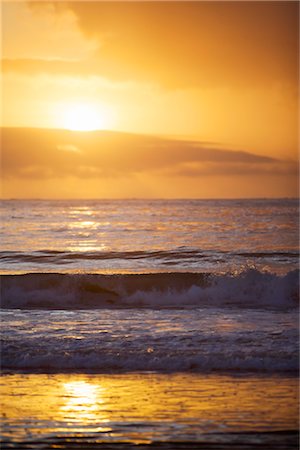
column 84, row 402
column 85, row 224
column 142, row 407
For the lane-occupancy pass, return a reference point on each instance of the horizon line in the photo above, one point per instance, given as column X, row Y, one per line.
column 146, row 198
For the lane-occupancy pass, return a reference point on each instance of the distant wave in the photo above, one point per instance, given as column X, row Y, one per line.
column 63, row 257
column 248, row 289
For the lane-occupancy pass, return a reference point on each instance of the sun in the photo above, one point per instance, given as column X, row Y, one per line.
column 84, row 117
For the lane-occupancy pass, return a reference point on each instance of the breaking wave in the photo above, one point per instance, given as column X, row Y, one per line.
column 246, row 289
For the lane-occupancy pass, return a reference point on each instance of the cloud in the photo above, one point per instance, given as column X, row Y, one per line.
column 175, row 44
column 193, row 43
column 49, row 154
column 42, row 31
column 235, row 169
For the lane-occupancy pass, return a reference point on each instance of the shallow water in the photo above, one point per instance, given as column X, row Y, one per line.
column 119, row 340
column 144, row 408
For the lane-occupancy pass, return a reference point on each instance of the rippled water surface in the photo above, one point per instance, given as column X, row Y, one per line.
column 150, row 340
column 149, row 235
column 147, row 408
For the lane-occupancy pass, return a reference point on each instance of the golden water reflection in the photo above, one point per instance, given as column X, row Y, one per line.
column 102, row 403
column 83, row 402
column 90, row 224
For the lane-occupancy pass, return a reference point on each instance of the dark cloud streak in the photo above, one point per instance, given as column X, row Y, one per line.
column 43, row 153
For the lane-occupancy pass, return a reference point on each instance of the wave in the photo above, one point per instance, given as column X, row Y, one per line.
column 41, row 360
column 246, row 289
column 63, row 257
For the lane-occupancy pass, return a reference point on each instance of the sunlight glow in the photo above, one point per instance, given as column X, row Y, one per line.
column 85, row 117
column 81, row 391
column 84, row 400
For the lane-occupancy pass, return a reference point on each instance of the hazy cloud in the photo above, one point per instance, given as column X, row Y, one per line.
column 194, row 43
column 176, row 44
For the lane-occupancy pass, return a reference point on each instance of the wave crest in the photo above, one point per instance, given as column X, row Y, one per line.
column 249, row 288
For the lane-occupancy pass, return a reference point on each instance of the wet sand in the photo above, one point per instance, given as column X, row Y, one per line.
column 149, row 410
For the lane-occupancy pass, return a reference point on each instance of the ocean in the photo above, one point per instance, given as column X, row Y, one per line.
column 150, row 323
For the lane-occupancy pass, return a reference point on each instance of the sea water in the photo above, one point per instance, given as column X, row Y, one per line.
column 149, row 235
column 200, row 288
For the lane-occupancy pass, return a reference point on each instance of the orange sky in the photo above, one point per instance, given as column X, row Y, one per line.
column 203, row 83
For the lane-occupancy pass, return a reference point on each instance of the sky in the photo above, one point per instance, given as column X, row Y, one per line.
column 198, row 99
